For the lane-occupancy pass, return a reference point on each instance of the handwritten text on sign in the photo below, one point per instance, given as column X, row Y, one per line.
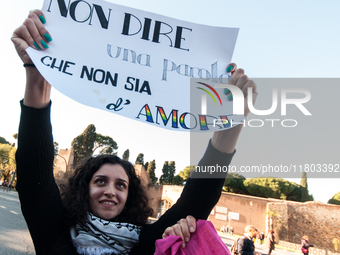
column 137, row 64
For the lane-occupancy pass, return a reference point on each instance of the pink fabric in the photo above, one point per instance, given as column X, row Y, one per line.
column 205, row 241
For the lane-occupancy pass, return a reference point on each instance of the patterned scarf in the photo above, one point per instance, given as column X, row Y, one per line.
column 99, row 237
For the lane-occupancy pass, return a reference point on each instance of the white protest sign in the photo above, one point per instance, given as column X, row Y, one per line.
column 138, row 64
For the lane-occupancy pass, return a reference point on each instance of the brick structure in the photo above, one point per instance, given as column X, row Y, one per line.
column 64, row 160
column 63, row 164
column 251, row 211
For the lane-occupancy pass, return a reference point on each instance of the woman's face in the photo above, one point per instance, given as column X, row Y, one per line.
column 108, row 191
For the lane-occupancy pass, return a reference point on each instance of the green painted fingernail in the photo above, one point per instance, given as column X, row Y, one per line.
column 48, row 37
column 226, row 91
column 44, row 44
column 229, row 68
column 42, row 19
column 230, row 97
column 36, row 45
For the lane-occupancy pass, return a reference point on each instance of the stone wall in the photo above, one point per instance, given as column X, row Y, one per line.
column 312, row 250
column 251, row 210
column 172, row 193
column 318, row 221
column 157, row 193
column 63, row 164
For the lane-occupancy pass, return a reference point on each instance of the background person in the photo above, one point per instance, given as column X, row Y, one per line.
column 245, row 245
column 232, row 231
column 270, row 242
column 305, row 245
column 261, row 237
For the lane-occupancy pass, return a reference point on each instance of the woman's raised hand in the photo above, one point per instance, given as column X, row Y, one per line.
column 240, row 80
column 225, row 140
column 31, row 33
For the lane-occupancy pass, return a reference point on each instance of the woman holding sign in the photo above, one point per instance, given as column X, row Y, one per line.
column 103, row 209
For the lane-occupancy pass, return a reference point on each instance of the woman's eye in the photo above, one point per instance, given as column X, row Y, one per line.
column 121, row 185
column 100, row 181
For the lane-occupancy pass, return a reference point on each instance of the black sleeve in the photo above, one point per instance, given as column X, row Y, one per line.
column 199, row 196
column 39, row 195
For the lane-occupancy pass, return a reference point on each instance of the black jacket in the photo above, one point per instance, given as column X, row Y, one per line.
column 245, row 246
column 42, row 206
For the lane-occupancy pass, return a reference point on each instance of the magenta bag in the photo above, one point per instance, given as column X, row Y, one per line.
column 304, row 250
column 205, row 241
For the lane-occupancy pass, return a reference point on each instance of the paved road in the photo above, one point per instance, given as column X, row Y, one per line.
column 16, row 240
column 14, row 236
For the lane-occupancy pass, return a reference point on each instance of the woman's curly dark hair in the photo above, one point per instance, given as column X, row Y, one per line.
column 75, row 194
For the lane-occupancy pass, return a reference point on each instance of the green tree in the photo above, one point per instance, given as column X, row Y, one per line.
column 304, row 193
column 3, row 140
column 168, row 170
column 106, row 145
column 5, row 150
column 177, row 180
column 270, row 187
column 235, row 183
column 56, row 148
column 303, row 181
column 277, row 188
column 140, row 159
column 172, row 171
column 7, row 161
column 146, row 165
column 56, row 151
column 335, row 200
column 186, row 172
column 86, row 143
column 151, row 172
column 126, row 155
column 164, row 177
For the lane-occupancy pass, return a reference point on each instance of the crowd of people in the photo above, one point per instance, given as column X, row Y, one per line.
column 6, row 186
column 227, row 230
column 245, row 245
